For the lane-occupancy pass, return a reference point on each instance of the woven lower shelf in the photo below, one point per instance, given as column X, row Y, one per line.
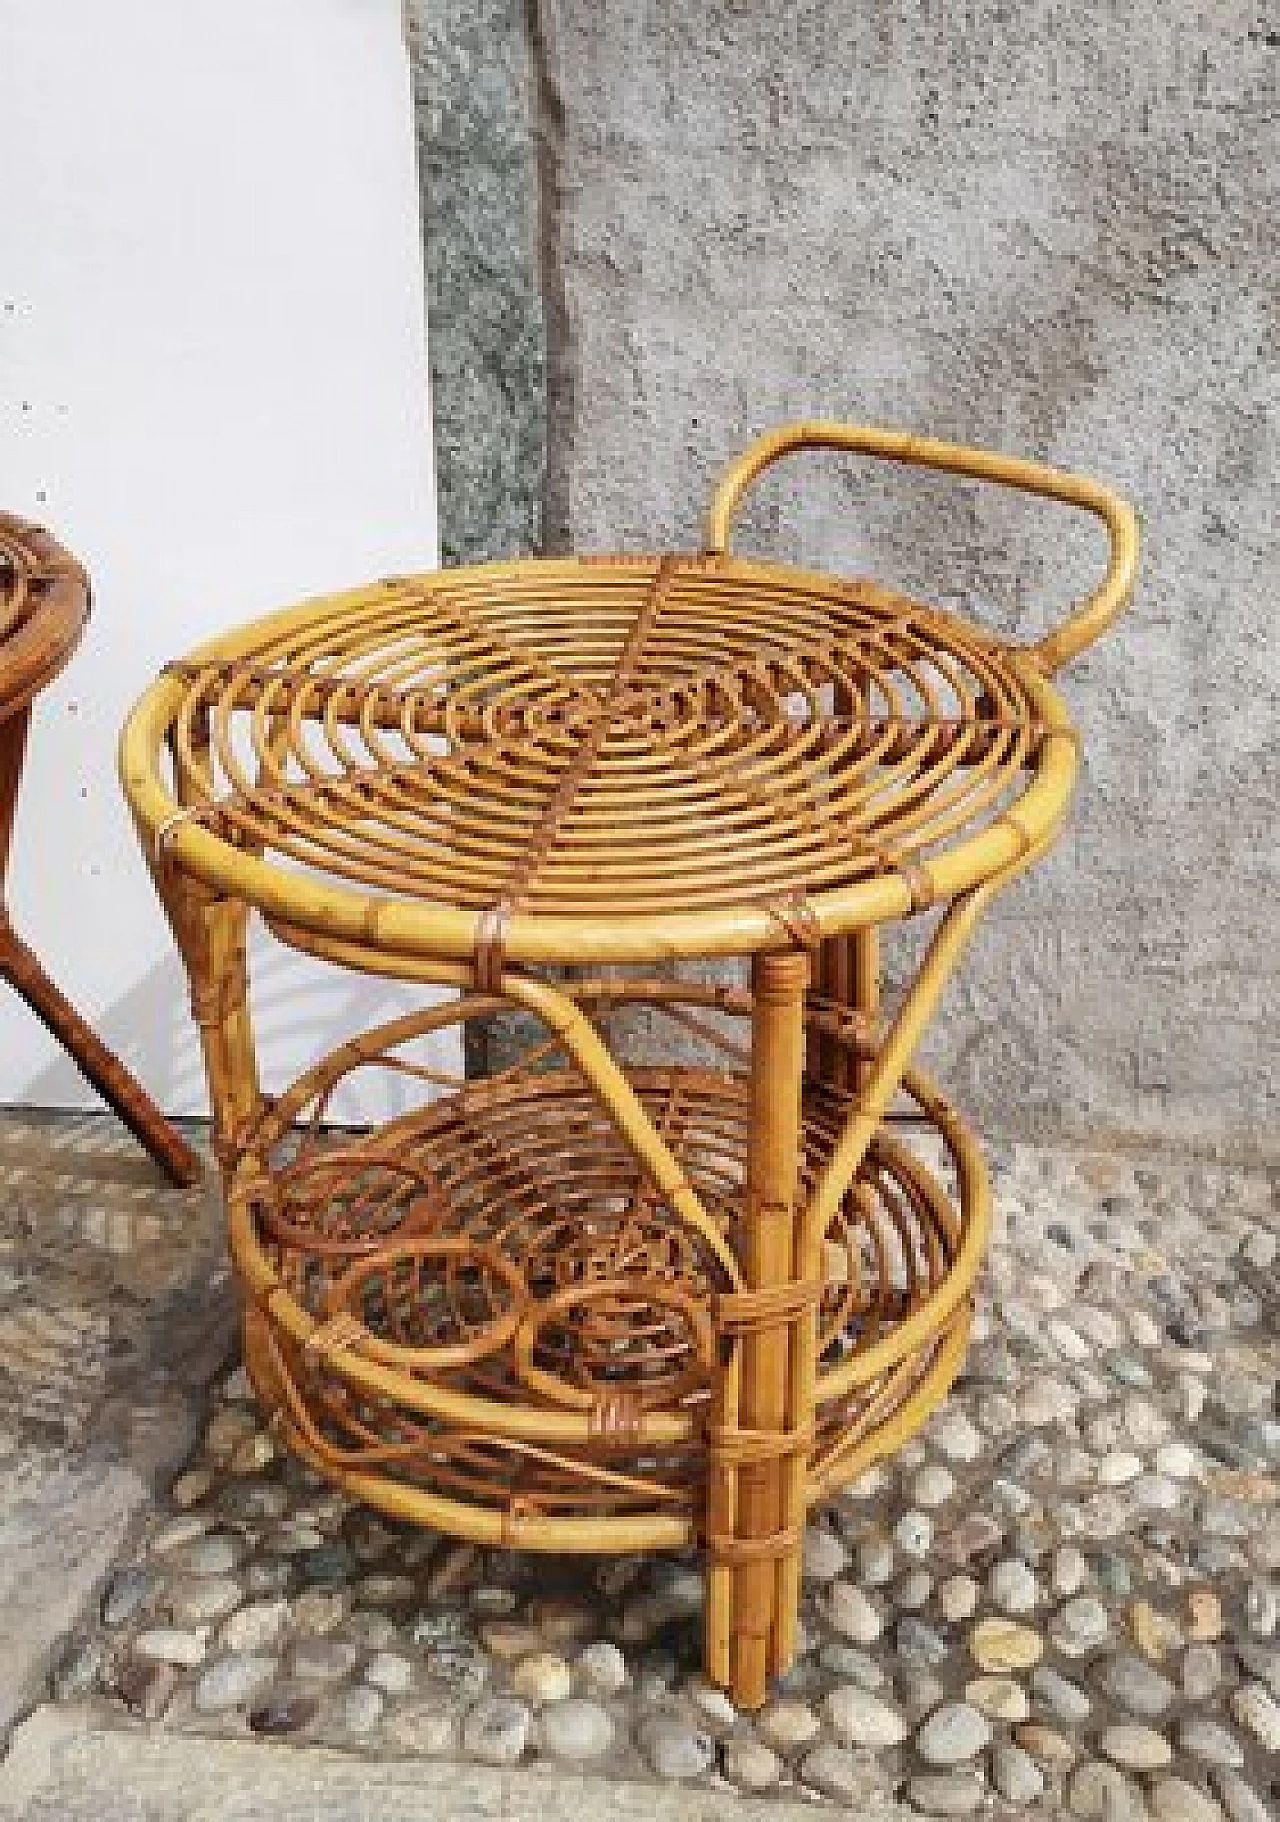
column 482, row 1316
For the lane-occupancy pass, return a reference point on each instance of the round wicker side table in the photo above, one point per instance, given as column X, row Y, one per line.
column 604, row 1300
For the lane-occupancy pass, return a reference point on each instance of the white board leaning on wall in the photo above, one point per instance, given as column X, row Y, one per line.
column 214, row 389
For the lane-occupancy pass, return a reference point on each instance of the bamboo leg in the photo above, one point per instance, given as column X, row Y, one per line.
column 778, row 983
column 21, row 967
column 212, row 933
column 893, row 1053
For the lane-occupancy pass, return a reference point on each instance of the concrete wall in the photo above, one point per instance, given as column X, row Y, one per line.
column 1051, row 227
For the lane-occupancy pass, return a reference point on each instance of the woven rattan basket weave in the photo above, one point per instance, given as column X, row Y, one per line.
column 595, row 1301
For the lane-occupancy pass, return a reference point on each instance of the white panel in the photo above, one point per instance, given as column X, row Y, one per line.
column 214, row 389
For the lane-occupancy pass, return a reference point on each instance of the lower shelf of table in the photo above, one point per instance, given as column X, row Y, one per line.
column 483, row 1317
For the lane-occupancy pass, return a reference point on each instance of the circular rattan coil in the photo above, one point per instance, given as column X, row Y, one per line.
column 483, row 1316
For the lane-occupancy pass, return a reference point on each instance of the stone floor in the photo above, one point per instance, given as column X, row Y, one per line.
column 1062, row 1600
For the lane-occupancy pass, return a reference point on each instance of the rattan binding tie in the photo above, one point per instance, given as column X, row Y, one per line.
column 739, row 1550
column 342, row 1330
column 798, row 918
column 518, row 1512
column 738, row 1448
column 746, row 1312
column 491, row 934
column 919, row 883
column 616, row 1416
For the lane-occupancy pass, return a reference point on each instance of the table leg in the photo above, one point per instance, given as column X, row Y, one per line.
column 212, row 933
column 773, row 1167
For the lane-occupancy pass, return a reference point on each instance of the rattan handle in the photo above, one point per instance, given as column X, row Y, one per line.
column 1090, row 618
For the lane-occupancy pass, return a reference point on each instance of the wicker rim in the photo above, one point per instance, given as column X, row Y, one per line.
column 414, row 923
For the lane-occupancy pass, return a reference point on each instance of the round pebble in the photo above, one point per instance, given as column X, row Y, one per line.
column 544, row 1677
column 1138, row 1686
column 851, row 1613
column 360, row 1709
column 836, row 1772
column 255, row 1628
column 190, row 1488
column 575, row 1729
column 1012, row 1586
column 1136, row 1748
column 712, row 1703
column 787, row 1725
column 955, row 1435
column 323, row 1660
column 858, row 1718
column 1099, row 1792
column 1016, row 1775
column 824, row 1555
column 958, row 1598
column 913, row 1533
column 750, row 1765
column 949, row 1794
column 1117, row 1468
column 602, row 1667
column 233, row 1682
column 1201, row 1672
column 496, row 1730
column 674, row 1749
column 1175, row 1800
column 218, row 1553
column 389, row 1672
column 998, row 1646
column 953, row 1733
column 1207, row 1740
column 1258, row 1713
column 170, row 1645
column 913, row 1591
column 421, row 1727
column 1239, row 1799
column 1177, row 1460
column 933, row 1485
column 998, row 1697
column 1262, row 1608
column 1058, row 1695
column 1046, row 1745
column 1080, row 1626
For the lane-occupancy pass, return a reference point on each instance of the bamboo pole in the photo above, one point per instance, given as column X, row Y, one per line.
column 778, row 984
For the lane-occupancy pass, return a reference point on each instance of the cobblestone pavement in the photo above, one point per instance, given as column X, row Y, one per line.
column 114, row 1317
column 1061, row 1599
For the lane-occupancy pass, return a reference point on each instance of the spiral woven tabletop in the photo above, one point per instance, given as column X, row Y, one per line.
column 611, row 739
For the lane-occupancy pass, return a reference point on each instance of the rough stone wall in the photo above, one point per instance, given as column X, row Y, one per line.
column 476, row 156
column 1050, row 227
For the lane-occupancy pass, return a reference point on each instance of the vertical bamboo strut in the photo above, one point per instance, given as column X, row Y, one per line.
column 773, row 1165
column 212, row 933
column 893, row 1054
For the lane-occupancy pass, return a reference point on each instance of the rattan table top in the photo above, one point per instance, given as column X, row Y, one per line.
column 620, row 758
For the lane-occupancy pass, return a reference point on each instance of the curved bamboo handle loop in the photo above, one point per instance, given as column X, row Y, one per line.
column 1088, row 620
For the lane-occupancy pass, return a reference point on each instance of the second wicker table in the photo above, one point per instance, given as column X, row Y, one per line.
column 614, row 1296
